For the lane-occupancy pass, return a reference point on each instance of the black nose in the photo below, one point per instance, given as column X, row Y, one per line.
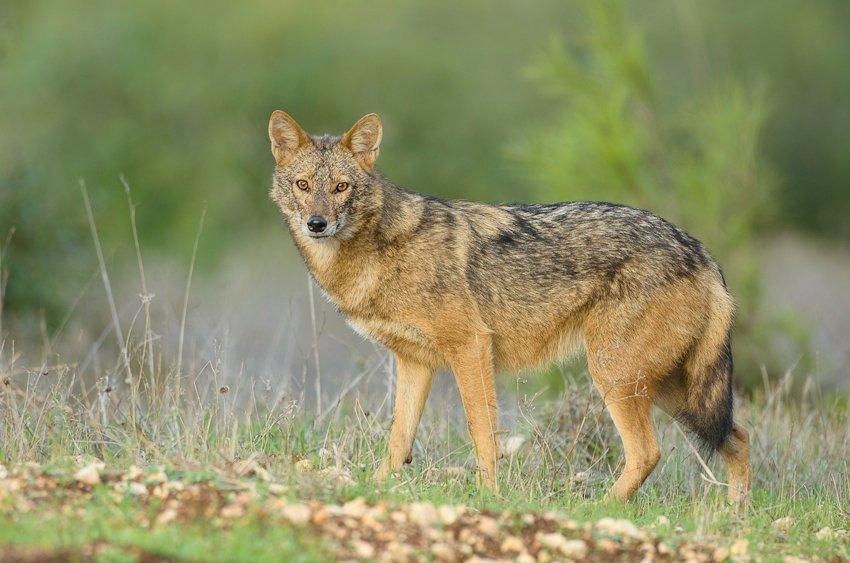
column 317, row 223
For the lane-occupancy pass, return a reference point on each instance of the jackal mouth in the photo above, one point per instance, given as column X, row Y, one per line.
column 320, row 235
column 329, row 232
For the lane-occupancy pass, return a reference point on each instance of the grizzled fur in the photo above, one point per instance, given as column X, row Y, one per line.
column 482, row 288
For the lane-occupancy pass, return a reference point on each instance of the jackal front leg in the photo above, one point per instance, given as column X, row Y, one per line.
column 413, row 383
column 472, row 365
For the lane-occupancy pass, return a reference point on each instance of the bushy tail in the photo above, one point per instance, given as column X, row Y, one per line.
column 708, row 408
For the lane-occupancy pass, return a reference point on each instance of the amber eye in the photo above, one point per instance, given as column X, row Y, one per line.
column 341, row 187
column 302, row 184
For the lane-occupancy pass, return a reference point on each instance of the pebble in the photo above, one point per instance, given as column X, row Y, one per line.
column 512, row 543
column 825, row 533
column 356, row 508
column 423, row 513
column 783, row 524
column 90, row 474
column 739, row 548
column 298, row 514
column 488, row 526
column 618, row 527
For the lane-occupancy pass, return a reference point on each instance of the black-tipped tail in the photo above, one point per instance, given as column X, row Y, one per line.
column 708, row 409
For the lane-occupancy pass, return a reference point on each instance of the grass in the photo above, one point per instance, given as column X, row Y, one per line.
column 198, row 429
column 142, row 404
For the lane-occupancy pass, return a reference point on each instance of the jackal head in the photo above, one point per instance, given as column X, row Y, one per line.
column 324, row 184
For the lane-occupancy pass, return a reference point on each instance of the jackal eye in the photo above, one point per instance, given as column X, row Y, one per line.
column 303, row 185
column 341, row 187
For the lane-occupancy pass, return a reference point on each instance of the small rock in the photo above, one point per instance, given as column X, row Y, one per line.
column 783, row 524
column 687, row 553
column 398, row 517
column 356, row 508
column 739, row 548
column 3, row 472
column 166, row 516
column 250, row 468
column 298, row 514
column 662, row 522
column 90, row 474
column 552, row 516
column 575, row 549
column 488, row 526
column 512, row 543
column 339, row 477
column 277, row 488
column 233, row 511
column 618, row 527
column 443, row 552
column 647, row 547
column 448, row 514
column 157, row 478
column 132, row 474
column 399, row 551
column 825, row 533
column 363, row 549
column 609, row 546
column 423, row 513
column 320, row 515
column 720, row 554
column 176, row 486
column 137, row 489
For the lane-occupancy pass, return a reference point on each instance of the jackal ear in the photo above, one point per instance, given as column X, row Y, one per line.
column 364, row 140
column 286, row 136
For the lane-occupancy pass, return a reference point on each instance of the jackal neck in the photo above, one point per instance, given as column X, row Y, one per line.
column 344, row 266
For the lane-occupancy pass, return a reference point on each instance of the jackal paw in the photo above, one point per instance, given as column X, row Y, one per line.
column 383, row 472
column 738, row 495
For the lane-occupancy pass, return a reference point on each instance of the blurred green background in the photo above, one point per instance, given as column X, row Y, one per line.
column 729, row 118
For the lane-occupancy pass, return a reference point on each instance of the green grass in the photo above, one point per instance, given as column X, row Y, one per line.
column 123, row 530
column 798, row 453
column 126, row 531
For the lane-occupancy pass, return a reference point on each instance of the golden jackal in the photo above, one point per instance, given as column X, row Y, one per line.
column 482, row 288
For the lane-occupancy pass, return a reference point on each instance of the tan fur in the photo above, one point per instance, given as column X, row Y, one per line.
column 480, row 288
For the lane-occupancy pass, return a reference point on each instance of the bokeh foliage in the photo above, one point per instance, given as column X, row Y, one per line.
column 176, row 96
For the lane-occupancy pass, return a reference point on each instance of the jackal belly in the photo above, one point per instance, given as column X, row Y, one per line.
column 533, row 345
column 401, row 337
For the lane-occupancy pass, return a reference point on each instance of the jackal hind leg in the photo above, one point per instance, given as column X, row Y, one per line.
column 413, row 384
column 626, row 381
column 632, row 416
